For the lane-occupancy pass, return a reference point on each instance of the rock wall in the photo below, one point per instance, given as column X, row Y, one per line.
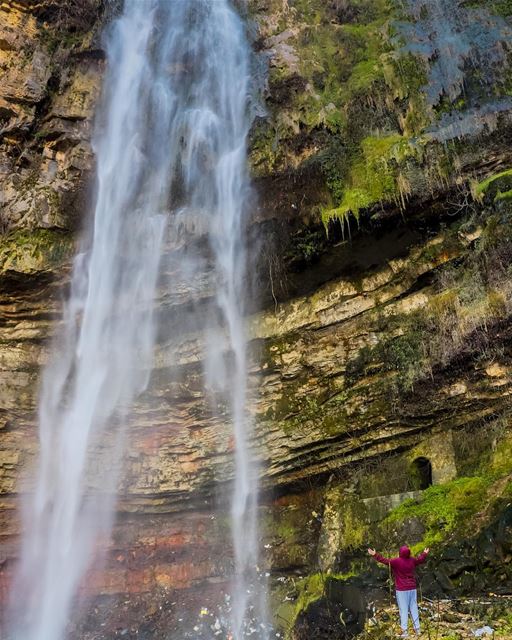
column 382, row 222
column 51, row 66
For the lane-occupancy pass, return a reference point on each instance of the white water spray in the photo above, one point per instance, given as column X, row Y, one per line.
column 215, row 120
column 175, row 114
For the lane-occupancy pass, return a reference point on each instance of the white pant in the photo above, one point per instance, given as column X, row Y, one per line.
column 407, row 603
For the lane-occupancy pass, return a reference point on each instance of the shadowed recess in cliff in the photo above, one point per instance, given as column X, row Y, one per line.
column 171, row 146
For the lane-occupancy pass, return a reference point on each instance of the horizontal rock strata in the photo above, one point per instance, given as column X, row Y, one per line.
column 360, row 347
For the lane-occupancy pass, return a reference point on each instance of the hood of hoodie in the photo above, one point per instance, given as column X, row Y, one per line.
column 404, row 552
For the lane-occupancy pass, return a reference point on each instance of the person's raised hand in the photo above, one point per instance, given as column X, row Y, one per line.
column 426, row 550
column 372, row 552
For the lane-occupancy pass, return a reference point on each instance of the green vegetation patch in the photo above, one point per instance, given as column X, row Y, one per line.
column 496, row 186
column 373, row 177
column 309, row 590
column 313, row 588
column 341, row 60
column 501, row 461
column 338, row 62
column 500, row 7
column 503, row 7
column 350, row 79
column 353, row 523
column 448, row 508
column 27, row 251
column 504, row 626
column 407, row 76
column 442, row 509
column 469, row 295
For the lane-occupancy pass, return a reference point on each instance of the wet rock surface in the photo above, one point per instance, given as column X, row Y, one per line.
column 52, row 69
column 345, row 369
column 457, row 619
column 340, row 613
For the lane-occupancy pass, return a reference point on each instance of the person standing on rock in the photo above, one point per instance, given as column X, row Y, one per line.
column 404, row 575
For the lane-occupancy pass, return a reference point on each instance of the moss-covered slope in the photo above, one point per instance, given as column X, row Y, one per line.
column 379, row 98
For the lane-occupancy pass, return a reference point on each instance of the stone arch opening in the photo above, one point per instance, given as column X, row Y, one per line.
column 421, row 474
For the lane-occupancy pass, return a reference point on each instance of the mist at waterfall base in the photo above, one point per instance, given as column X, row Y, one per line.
column 171, row 146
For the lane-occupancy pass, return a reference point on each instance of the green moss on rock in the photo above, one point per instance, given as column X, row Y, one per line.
column 406, row 77
column 348, row 76
column 373, row 177
column 467, row 298
column 500, row 7
column 448, row 509
column 494, row 187
column 34, row 251
column 311, row 589
column 340, row 60
column 442, row 509
column 353, row 523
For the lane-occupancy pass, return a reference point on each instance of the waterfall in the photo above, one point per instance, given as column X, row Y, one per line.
column 170, row 143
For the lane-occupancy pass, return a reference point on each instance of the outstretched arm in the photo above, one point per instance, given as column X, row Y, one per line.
column 420, row 559
column 378, row 557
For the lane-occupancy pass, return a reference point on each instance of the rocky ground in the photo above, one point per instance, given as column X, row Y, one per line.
column 369, row 345
column 456, row 619
column 488, row 617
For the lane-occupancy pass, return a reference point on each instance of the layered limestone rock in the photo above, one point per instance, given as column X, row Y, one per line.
column 364, row 349
column 52, row 70
column 342, row 378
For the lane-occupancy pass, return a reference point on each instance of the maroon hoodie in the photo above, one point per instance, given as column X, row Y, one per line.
column 403, row 568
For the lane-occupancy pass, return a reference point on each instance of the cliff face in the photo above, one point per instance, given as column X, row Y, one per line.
column 51, row 68
column 383, row 168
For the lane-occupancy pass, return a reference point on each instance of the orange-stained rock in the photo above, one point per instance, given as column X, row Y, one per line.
column 319, row 408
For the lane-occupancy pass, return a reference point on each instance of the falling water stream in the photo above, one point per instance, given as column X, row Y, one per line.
column 170, row 142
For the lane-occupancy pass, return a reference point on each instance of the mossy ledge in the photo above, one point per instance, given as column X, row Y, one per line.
column 25, row 251
column 495, row 187
column 449, row 510
column 355, row 101
column 311, row 589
